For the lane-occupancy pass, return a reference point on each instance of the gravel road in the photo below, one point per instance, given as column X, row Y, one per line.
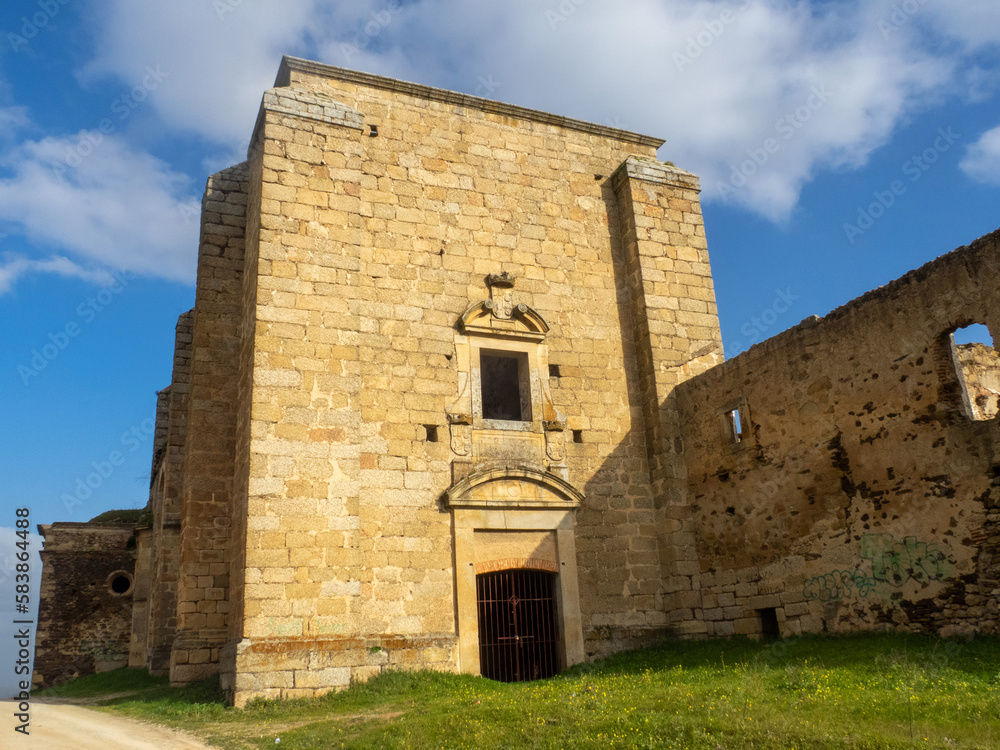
column 65, row 727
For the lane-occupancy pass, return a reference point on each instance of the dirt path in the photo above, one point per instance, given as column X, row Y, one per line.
column 60, row 727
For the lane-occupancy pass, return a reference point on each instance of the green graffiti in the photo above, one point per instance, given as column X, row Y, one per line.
column 895, row 563
column 324, row 626
column 291, row 628
column 838, row 585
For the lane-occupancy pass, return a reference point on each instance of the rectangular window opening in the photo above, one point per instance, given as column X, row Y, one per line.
column 735, row 425
column 577, row 436
column 977, row 366
column 769, row 626
column 553, row 371
column 505, row 386
column 431, row 431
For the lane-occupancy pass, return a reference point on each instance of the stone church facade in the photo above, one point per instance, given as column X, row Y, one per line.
column 452, row 395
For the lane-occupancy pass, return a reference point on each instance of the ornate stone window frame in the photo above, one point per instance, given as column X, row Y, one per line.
column 497, row 325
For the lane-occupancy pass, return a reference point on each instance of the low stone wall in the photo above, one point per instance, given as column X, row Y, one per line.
column 308, row 667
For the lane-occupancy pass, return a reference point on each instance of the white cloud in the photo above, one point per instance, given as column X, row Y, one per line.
column 104, row 203
column 218, row 56
column 982, row 159
column 972, row 23
column 716, row 78
column 12, row 267
column 12, row 118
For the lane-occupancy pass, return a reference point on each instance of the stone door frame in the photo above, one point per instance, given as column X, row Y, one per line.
column 538, row 501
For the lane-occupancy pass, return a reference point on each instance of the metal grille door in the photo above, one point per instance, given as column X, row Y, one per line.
column 518, row 632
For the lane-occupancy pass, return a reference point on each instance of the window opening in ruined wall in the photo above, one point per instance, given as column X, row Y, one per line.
column 734, row 422
column 977, row 366
column 735, row 426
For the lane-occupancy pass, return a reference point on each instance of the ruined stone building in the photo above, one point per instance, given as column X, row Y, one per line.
column 453, row 395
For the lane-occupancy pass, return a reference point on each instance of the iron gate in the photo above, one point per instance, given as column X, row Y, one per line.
column 518, row 631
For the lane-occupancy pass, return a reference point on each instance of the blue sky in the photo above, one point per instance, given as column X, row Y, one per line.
column 840, row 144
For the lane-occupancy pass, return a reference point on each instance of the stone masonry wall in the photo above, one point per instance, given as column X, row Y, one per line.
column 210, row 446
column 83, row 625
column 369, row 249
column 674, row 321
column 146, row 540
column 165, row 504
column 861, row 495
column 246, row 321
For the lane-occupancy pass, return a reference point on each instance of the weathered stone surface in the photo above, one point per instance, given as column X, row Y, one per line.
column 863, row 490
column 84, row 623
column 436, row 337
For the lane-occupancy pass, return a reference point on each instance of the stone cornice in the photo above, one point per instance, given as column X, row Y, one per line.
column 290, row 64
column 650, row 170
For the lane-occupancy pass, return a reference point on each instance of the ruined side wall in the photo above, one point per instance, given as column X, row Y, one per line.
column 861, row 495
column 83, row 626
column 165, row 502
column 210, row 445
column 145, row 538
column 143, row 579
column 370, row 248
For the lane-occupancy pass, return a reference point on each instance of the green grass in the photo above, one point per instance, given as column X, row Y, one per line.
column 864, row 692
column 126, row 515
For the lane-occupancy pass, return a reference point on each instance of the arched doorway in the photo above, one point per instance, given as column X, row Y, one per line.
column 518, row 625
column 518, row 521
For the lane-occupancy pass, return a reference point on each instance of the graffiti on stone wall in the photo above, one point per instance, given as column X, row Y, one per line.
column 104, row 650
column 893, row 563
column 837, row 585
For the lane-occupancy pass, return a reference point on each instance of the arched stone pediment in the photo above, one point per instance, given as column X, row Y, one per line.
column 523, row 323
column 519, row 487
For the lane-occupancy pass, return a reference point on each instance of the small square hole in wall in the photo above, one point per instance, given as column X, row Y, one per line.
column 769, row 626
column 554, row 371
column 432, row 432
column 577, row 436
